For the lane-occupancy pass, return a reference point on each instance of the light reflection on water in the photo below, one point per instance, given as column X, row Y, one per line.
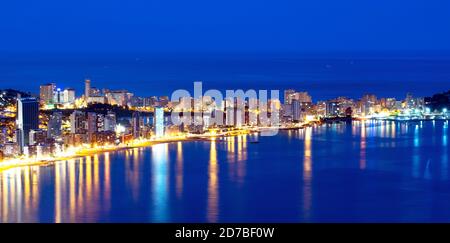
column 346, row 173
column 213, row 184
column 160, row 181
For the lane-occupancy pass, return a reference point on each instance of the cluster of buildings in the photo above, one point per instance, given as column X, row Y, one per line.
column 40, row 130
column 298, row 106
column 51, row 97
column 38, row 135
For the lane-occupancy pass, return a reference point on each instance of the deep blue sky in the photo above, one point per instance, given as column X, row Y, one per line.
column 224, row 25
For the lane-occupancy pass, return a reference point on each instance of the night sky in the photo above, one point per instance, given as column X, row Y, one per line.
column 224, row 25
column 155, row 47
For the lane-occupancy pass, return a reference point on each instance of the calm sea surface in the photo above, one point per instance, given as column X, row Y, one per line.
column 374, row 171
column 147, row 75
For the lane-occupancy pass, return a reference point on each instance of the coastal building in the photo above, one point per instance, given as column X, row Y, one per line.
column 136, row 125
column 288, row 94
column 58, row 96
column 37, row 136
column 286, row 113
column 91, row 124
column 296, row 110
column 87, row 89
column 103, row 138
column 159, row 122
column 117, row 97
column 69, row 96
column 54, row 125
column 3, row 135
column 345, row 105
column 150, row 101
column 46, row 93
column 110, row 122
column 321, row 108
column 96, row 99
column 73, row 139
column 163, row 101
column 100, row 122
column 78, row 123
column 27, row 118
column 95, row 92
column 302, row 97
column 368, row 104
column 332, row 108
column 19, row 140
column 11, row 149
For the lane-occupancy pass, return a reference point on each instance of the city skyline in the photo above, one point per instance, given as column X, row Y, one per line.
column 68, row 93
column 217, row 120
column 199, row 114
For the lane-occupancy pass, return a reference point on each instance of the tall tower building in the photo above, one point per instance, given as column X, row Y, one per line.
column 78, row 122
column 3, row 135
column 18, row 139
column 302, row 97
column 69, row 95
column 296, row 110
column 159, row 122
column 91, row 124
column 288, row 96
column 54, row 125
column 136, row 124
column 87, row 88
column 27, row 118
column 58, row 96
column 37, row 137
column 110, row 122
column 46, row 94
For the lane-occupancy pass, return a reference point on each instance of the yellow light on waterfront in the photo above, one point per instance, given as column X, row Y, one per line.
column 120, row 129
column 213, row 196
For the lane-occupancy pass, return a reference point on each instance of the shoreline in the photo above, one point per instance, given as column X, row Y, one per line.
column 144, row 144
column 94, row 151
column 89, row 152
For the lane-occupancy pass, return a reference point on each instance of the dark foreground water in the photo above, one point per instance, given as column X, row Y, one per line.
column 365, row 172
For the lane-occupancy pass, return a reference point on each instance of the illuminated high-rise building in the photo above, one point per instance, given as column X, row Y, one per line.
column 159, row 122
column 332, row 108
column 18, row 139
column 136, row 125
column 78, row 123
column 27, row 118
column 87, row 88
column 163, row 100
column 229, row 111
column 54, row 125
column 69, row 95
column 58, row 96
column 37, row 136
column 95, row 92
column 296, row 110
column 91, row 124
column 3, row 135
column 288, row 96
column 109, row 124
column 302, row 97
column 368, row 103
column 47, row 93
column 117, row 97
